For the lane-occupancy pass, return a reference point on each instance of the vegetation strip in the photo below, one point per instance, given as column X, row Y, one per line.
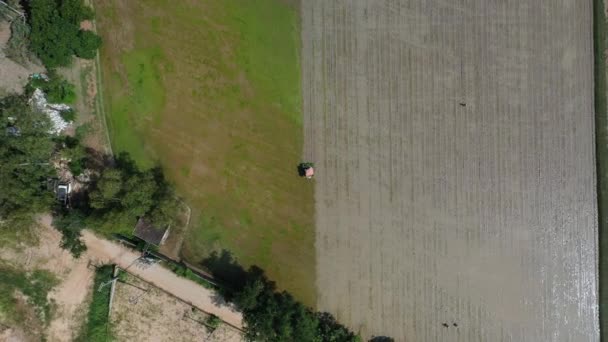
column 601, row 136
column 98, row 326
column 99, row 106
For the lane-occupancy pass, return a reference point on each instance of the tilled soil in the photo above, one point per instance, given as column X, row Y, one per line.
column 454, row 150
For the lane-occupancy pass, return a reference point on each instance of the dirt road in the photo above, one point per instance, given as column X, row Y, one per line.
column 454, row 148
column 109, row 252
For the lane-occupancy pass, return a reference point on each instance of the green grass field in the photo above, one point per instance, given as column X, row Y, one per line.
column 211, row 91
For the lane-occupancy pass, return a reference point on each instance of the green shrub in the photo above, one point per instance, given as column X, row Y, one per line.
column 17, row 47
column 70, row 224
column 57, row 89
column 55, row 31
column 68, row 115
column 77, row 166
column 98, row 327
column 213, row 322
column 185, row 272
column 87, row 44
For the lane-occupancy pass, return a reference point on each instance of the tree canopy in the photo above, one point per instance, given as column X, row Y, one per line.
column 123, row 193
column 271, row 315
column 25, row 150
column 57, row 89
column 56, row 34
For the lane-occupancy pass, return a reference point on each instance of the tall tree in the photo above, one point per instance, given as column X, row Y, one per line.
column 25, row 150
column 124, row 192
column 55, row 31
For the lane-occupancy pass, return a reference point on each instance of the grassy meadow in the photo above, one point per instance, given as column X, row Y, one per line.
column 211, row 91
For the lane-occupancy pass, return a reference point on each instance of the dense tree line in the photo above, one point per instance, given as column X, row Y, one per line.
column 119, row 195
column 123, row 192
column 26, row 148
column 272, row 315
column 56, row 35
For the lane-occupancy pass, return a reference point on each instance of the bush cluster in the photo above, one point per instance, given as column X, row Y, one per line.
column 57, row 89
column 56, row 34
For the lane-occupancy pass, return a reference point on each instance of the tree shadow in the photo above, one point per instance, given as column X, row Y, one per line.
column 301, row 170
column 382, row 339
column 232, row 277
column 98, row 161
column 268, row 310
column 226, row 270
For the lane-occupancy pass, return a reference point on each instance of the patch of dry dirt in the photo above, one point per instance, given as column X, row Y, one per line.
column 14, row 335
column 13, row 76
column 86, row 25
column 141, row 312
column 76, row 279
column 108, row 252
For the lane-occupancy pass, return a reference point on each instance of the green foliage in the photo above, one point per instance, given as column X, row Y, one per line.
column 331, row 330
column 87, row 44
column 83, row 130
column 70, row 224
column 271, row 315
column 24, row 168
column 68, row 115
column 17, row 47
column 213, row 322
column 97, row 328
column 124, row 193
column 72, row 149
column 185, row 272
column 75, row 11
column 34, row 285
column 55, row 31
column 57, row 89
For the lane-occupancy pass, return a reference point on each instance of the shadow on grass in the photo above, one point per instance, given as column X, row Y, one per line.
column 271, row 314
column 230, row 274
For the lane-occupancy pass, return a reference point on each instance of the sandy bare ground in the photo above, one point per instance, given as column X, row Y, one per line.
column 75, row 277
column 141, row 312
column 104, row 251
column 454, row 145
